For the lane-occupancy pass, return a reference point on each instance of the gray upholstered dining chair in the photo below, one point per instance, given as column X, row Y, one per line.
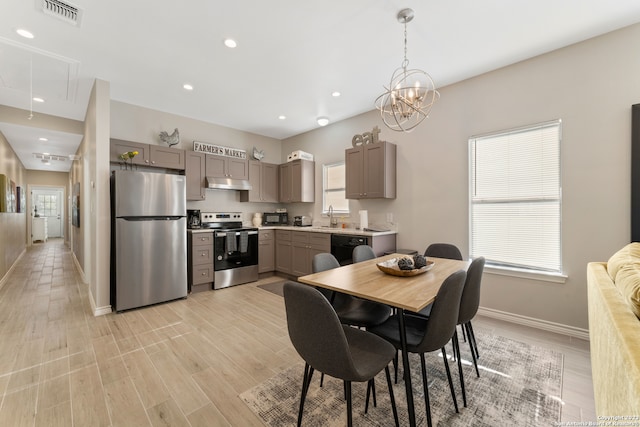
column 469, row 304
column 340, row 351
column 425, row 335
column 351, row 310
column 443, row 250
column 362, row 253
column 440, row 250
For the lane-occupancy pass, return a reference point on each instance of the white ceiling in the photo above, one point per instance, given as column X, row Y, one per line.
column 291, row 55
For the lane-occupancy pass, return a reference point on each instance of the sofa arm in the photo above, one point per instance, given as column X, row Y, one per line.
column 614, row 333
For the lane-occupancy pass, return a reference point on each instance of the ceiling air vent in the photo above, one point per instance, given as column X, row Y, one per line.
column 64, row 11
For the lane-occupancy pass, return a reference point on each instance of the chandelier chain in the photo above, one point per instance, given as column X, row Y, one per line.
column 405, row 63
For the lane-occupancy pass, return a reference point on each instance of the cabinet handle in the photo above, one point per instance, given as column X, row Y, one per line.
column 146, row 161
column 202, row 254
column 204, row 274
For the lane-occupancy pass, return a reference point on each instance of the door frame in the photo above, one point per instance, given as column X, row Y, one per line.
column 64, row 209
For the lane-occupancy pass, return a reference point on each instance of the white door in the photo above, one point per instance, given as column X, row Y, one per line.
column 49, row 203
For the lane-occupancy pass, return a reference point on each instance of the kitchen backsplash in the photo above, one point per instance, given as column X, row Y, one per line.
column 229, row 201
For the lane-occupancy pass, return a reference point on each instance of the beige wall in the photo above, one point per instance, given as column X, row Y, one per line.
column 12, row 225
column 76, row 234
column 591, row 87
column 95, row 193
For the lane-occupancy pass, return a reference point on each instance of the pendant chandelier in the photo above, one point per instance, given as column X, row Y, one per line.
column 410, row 95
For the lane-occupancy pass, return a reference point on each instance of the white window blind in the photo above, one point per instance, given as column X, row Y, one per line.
column 334, row 188
column 515, row 197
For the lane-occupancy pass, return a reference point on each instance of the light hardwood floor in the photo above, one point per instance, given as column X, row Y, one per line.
column 176, row 364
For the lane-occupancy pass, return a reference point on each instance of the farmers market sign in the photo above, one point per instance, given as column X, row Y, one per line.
column 219, row 150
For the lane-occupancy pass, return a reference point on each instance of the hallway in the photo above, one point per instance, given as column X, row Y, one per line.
column 161, row 365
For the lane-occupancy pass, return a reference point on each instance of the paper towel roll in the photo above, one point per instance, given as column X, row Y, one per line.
column 364, row 220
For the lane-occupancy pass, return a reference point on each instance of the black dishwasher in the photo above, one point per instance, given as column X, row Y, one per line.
column 342, row 246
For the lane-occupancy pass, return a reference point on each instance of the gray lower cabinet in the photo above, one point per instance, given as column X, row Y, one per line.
column 200, row 261
column 283, row 251
column 305, row 245
column 294, row 250
column 266, row 251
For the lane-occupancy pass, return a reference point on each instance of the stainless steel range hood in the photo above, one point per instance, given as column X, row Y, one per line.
column 228, row 183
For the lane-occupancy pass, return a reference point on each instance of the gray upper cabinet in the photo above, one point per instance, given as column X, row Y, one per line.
column 264, row 182
column 297, row 181
column 166, row 157
column 371, row 171
column 119, row 147
column 194, row 172
column 226, row 167
column 148, row 154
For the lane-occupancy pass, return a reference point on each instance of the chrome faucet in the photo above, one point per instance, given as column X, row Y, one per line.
column 332, row 222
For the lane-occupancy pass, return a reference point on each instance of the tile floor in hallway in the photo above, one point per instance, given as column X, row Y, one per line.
column 180, row 364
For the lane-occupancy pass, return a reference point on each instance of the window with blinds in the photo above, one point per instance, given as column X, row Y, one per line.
column 333, row 188
column 515, row 198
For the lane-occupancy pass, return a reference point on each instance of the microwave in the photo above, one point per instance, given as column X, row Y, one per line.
column 275, row 218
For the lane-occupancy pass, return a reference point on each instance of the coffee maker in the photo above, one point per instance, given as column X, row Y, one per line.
column 193, row 218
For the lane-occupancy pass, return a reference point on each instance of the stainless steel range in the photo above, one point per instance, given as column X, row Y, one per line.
column 235, row 248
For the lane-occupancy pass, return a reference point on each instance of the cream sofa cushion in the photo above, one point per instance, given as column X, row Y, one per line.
column 630, row 254
column 628, row 282
column 624, row 269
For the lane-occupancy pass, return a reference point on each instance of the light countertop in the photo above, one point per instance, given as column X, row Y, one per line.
column 315, row 229
column 328, row 230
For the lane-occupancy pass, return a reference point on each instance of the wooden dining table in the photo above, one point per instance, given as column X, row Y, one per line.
column 410, row 293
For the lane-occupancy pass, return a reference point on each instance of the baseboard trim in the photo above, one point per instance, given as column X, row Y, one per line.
column 101, row 311
column 97, row 311
column 5, row 278
column 78, row 267
column 535, row 323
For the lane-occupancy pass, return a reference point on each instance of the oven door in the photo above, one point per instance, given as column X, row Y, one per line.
column 242, row 252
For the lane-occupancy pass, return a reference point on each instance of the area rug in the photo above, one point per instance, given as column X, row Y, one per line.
column 274, row 287
column 519, row 385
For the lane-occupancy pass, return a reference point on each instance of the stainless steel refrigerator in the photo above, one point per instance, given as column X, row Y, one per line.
column 148, row 238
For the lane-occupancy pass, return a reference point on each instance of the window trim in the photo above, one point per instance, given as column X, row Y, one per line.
column 512, row 269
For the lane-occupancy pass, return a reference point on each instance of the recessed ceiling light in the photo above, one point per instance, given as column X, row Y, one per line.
column 38, row 99
column 43, row 139
column 187, row 86
column 230, row 43
column 323, row 121
column 282, row 117
column 335, row 94
column 24, row 33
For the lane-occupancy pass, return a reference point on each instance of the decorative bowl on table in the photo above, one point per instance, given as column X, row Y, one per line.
column 391, row 266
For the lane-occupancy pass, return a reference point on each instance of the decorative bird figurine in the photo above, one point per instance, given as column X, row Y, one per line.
column 258, row 154
column 172, row 139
